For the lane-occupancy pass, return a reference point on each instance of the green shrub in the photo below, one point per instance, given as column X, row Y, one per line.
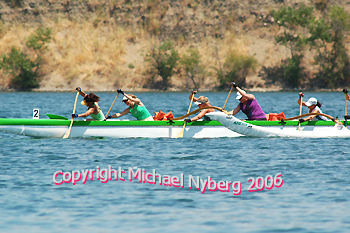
column 328, row 37
column 325, row 37
column 39, row 39
column 294, row 22
column 236, row 68
column 190, row 62
column 290, row 74
column 164, row 61
column 23, row 69
column 293, row 72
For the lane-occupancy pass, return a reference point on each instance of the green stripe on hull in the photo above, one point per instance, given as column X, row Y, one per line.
column 47, row 122
column 290, row 123
column 57, row 122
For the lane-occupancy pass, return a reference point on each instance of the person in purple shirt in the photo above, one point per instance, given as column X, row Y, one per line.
column 249, row 105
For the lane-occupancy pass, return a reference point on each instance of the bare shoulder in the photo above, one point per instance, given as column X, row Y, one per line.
column 250, row 96
column 140, row 104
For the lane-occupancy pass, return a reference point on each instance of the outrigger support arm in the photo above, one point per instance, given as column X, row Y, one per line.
column 314, row 113
column 288, row 119
column 195, row 111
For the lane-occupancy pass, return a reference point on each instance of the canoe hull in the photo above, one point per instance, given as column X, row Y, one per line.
column 278, row 129
column 116, row 129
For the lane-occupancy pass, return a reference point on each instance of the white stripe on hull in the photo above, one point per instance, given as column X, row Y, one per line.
column 120, row 131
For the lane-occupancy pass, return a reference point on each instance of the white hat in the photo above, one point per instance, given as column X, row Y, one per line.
column 202, row 100
column 125, row 98
column 239, row 96
column 311, row 101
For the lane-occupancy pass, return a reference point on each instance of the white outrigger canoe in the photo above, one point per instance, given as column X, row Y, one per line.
column 56, row 128
column 309, row 129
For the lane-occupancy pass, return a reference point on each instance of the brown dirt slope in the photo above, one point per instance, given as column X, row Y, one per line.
column 101, row 44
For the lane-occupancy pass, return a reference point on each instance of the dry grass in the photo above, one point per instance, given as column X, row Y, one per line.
column 84, row 54
column 91, row 50
column 213, row 53
column 97, row 54
column 13, row 36
column 79, row 53
column 104, row 56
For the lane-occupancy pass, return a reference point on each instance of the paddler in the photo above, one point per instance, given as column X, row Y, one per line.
column 94, row 110
column 248, row 105
column 201, row 101
column 136, row 108
column 314, row 106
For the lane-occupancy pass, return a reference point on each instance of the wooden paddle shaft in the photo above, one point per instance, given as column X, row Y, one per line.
column 346, row 111
column 181, row 134
column 301, row 108
column 112, row 105
column 227, row 97
column 346, row 108
column 189, row 107
column 75, row 103
column 71, row 122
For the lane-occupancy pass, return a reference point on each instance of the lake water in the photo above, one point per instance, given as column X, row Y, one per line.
column 314, row 195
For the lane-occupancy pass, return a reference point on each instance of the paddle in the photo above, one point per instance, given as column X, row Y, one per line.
column 346, row 107
column 71, row 122
column 301, row 107
column 111, row 106
column 181, row 134
column 233, row 84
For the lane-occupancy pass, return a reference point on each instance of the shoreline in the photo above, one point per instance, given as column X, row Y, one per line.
column 177, row 90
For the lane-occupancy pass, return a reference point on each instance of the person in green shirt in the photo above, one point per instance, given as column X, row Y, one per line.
column 90, row 100
column 136, row 108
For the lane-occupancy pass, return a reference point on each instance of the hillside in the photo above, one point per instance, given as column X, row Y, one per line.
column 101, row 45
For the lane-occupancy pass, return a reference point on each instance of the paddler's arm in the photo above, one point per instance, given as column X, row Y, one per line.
column 309, row 118
column 87, row 113
column 194, row 98
column 248, row 96
column 235, row 111
column 301, row 95
column 83, row 94
column 200, row 115
column 126, row 111
column 135, row 100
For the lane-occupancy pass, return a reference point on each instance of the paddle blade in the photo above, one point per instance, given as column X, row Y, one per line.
column 66, row 135
column 181, row 134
